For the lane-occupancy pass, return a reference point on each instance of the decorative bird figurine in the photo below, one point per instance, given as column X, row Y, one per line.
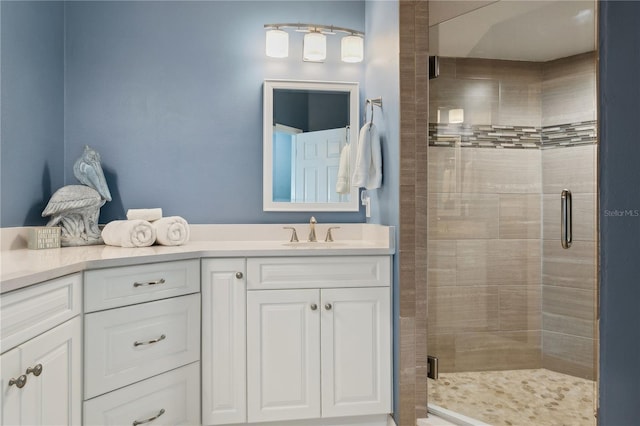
column 76, row 208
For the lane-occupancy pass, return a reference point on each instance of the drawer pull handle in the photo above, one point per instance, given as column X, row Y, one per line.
column 150, row 419
column 36, row 371
column 19, row 382
column 314, row 306
column 149, row 342
column 239, row 275
column 328, row 306
column 139, row 284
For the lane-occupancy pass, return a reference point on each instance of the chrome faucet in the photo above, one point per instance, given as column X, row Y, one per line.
column 312, row 231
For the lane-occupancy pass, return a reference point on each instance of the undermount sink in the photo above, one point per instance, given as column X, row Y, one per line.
column 314, row 244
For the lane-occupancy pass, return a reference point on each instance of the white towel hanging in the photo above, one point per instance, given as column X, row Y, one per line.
column 368, row 169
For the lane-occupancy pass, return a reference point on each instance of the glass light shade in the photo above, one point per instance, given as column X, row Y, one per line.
column 315, row 47
column 352, row 48
column 456, row 115
column 277, row 45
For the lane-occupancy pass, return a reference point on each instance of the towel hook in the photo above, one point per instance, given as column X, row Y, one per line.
column 375, row 101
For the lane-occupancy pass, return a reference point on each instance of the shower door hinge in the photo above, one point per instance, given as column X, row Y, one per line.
column 432, row 367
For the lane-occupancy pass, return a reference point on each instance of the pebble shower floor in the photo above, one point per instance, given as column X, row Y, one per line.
column 517, row 397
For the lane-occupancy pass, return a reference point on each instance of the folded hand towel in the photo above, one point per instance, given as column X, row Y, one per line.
column 144, row 214
column 342, row 184
column 129, row 233
column 368, row 171
column 171, row 231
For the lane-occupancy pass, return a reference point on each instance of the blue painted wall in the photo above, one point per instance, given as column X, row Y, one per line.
column 170, row 94
column 619, row 154
column 32, row 123
column 382, row 53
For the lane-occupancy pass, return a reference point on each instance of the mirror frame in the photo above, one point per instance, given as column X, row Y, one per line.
column 267, row 165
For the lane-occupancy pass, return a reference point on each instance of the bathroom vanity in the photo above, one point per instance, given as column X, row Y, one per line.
column 251, row 330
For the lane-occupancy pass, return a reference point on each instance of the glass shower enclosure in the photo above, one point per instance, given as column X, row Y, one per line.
column 512, row 287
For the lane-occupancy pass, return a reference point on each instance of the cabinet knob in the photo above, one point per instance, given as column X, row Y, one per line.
column 314, row 306
column 328, row 306
column 19, row 382
column 239, row 275
column 36, row 371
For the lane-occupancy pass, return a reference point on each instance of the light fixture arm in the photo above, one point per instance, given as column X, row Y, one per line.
column 327, row 29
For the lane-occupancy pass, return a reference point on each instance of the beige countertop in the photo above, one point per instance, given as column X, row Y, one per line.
column 21, row 267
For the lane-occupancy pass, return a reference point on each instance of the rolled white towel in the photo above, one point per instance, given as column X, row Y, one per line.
column 171, row 231
column 144, row 214
column 129, row 233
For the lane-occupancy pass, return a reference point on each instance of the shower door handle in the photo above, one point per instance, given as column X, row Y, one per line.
column 566, row 233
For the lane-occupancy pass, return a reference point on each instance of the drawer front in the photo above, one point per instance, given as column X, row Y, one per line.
column 318, row 272
column 115, row 287
column 126, row 345
column 174, row 397
column 28, row 312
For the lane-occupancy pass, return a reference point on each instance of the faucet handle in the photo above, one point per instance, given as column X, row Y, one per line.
column 329, row 237
column 294, row 234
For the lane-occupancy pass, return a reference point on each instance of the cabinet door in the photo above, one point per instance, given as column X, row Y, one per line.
column 53, row 396
column 223, row 341
column 356, row 351
column 10, row 395
column 283, row 354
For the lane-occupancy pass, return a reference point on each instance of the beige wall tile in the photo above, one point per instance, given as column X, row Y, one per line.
column 441, row 255
column 498, row 262
column 453, row 216
column 520, row 308
column 570, row 168
column 520, row 216
column 490, row 170
column 566, row 325
column 444, row 164
column 462, row 309
column 520, row 100
column 568, row 354
column 569, row 310
column 569, row 90
column 490, row 91
column 487, row 351
column 583, row 216
column 574, row 267
column 478, row 98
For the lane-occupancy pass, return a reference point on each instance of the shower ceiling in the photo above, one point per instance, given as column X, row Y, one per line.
column 519, row 30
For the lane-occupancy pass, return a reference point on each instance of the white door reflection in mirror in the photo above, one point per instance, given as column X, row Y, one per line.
column 317, row 158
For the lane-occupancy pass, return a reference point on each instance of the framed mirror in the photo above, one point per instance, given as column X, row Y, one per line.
column 309, row 129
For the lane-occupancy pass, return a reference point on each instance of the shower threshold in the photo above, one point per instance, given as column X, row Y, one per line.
column 439, row 416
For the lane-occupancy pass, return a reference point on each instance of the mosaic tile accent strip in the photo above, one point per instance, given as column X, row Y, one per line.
column 517, row 397
column 574, row 134
column 484, row 136
column 512, row 137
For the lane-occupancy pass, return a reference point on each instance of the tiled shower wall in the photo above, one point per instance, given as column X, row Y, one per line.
column 569, row 162
column 488, row 308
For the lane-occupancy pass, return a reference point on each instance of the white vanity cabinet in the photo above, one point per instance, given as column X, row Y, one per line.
column 142, row 344
column 223, row 341
column 40, row 374
column 318, row 337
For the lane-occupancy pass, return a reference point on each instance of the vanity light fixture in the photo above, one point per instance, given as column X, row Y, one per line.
column 352, row 49
column 315, row 41
column 277, row 43
column 314, row 47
